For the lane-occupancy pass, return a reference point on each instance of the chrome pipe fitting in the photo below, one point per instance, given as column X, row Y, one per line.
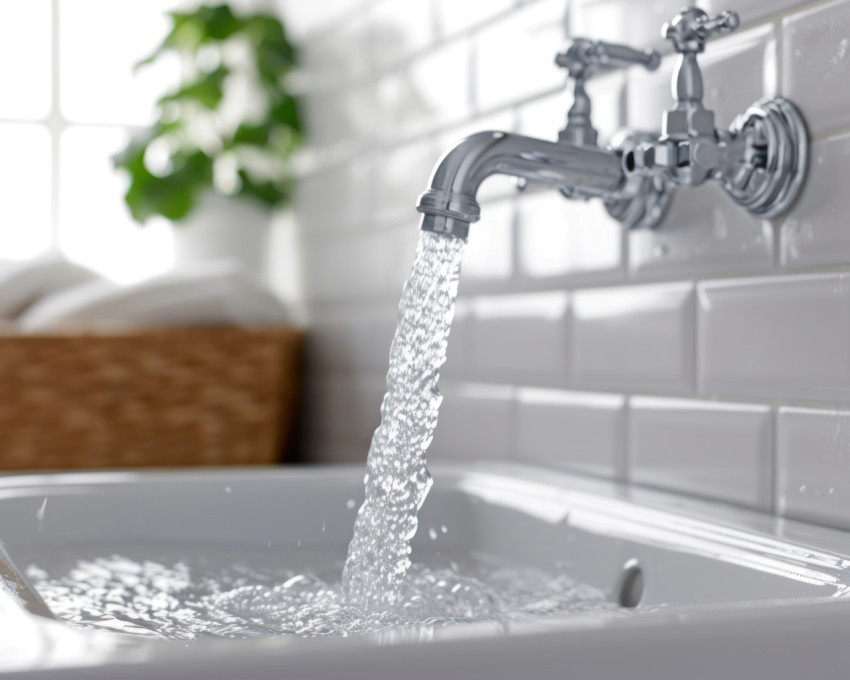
column 449, row 206
column 760, row 160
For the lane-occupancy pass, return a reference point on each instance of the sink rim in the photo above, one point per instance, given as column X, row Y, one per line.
column 580, row 490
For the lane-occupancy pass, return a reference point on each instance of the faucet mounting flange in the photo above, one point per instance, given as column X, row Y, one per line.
column 776, row 156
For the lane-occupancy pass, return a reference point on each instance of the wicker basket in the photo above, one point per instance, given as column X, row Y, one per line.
column 171, row 397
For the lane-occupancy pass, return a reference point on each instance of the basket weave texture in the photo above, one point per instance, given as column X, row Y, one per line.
column 171, row 397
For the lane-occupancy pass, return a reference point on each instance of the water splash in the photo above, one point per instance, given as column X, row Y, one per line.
column 397, row 479
column 188, row 600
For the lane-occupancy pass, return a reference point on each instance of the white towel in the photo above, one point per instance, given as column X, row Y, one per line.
column 23, row 283
column 218, row 293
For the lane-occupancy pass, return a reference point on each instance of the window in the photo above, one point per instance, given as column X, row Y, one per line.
column 70, row 99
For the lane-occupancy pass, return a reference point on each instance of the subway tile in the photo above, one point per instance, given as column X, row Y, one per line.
column 816, row 65
column 738, row 71
column 345, row 267
column 634, row 338
column 814, row 232
column 391, row 95
column 303, row 18
column 326, row 121
column 813, row 466
column 779, row 337
column 636, row 22
column 703, row 232
column 337, row 56
column 335, row 198
column 454, row 16
column 562, row 241
column 719, row 451
column 520, row 338
column 576, row 431
column 353, row 338
column 488, row 257
column 400, row 175
column 437, row 89
column 545, row 117
column 750, row 10
column 476, row 423
column 398, row 249
column 399, row 29
column 527, row 68
column 648, row 95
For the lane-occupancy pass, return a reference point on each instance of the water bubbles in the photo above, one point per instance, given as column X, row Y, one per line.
column 397, row 479
column 350, row 504
column 188, row 601
column 227, row 489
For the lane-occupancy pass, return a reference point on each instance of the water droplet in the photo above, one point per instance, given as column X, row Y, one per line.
column 432, row 532
column 350, row 504
column 227, row 489
column 840, row 52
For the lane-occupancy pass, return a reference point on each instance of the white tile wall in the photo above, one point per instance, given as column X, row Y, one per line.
column 816, row 233
column 703, row 232
column 562, row 319
column 563, row 242
column 813, row 457
column 486, row 411
column 634, row 338
column 576, row 431
column 520, row 338
column 634, row 21
column 515, row 58
column 817, row 64
column 776, row 338
column 719, row 451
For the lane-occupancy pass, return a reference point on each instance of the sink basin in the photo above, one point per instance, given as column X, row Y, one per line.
column 704, row 590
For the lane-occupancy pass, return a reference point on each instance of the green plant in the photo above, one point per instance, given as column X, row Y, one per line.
column 231, row 126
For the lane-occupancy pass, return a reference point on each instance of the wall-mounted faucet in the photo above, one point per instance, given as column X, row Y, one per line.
column 760, row 160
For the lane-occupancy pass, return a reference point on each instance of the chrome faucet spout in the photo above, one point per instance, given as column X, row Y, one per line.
column 449, row 205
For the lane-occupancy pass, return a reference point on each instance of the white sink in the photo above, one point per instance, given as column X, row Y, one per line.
column 712, row 591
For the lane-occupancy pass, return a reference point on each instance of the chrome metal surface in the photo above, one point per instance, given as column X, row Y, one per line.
column 582, row 60
column 775, row 158
column 449, row 205
column 760, row 160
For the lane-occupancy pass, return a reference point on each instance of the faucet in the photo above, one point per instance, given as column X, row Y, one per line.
column 760, row 160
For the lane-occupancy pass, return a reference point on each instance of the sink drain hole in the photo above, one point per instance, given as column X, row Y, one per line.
column 631, row 585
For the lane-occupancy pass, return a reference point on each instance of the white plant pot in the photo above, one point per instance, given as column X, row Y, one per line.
column 223, row 227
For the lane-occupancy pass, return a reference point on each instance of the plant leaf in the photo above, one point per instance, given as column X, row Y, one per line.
column 206, row 90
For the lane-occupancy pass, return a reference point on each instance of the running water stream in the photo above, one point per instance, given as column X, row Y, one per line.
column 397, row 479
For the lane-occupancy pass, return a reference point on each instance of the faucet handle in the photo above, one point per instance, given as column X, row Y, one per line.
column 690, row 30
column 584, row 58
